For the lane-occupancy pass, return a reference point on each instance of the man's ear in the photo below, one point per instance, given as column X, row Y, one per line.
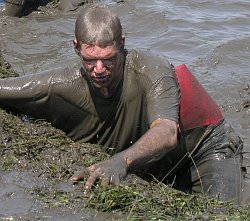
column 76, row 47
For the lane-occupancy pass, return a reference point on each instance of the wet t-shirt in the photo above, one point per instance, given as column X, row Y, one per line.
column 67, row 99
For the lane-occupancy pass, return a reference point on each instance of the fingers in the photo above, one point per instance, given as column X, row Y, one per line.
column 115, row 180
column 110, row 180
column 80, row 175
column 91, row 180
column 106, row 179
column 96, row 172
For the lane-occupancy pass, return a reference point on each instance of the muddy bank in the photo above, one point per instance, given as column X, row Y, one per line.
column 37, row 161
column 20, row 8
column 41, row 159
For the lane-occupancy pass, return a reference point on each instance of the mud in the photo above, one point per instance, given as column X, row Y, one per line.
column 37, row 160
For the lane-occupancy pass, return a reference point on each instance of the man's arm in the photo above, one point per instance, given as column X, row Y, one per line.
column 31, row 94
column 159, row 139
column 154, row 144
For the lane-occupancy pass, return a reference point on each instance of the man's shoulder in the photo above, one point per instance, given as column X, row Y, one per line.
column 61, row 74
column 149, row 63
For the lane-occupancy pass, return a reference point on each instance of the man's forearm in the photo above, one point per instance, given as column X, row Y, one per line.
column 159, row 139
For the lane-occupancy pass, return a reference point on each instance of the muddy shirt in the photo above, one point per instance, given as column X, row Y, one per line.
column 66, row 98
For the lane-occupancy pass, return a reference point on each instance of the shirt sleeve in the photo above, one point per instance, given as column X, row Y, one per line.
column 28, row 94
column 161, row 87
column 163, row 99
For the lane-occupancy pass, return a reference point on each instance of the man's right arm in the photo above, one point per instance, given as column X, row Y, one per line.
column 25, row 94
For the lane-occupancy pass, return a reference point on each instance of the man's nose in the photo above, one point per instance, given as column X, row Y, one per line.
column 99, row 68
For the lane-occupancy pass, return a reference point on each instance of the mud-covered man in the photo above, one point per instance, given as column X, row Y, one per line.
column 157, row 119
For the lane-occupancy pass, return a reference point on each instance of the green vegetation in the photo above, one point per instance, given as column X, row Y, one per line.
column 5, row 69
column 39, row 148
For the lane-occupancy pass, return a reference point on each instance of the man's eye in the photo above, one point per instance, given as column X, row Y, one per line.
column 90, row 61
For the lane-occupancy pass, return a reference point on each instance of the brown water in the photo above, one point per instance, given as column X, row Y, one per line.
column 211, row 37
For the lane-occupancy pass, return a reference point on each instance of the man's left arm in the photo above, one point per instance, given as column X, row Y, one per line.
column 154, row 144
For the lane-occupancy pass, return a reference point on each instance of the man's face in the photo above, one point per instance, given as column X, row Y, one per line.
column 100, row 62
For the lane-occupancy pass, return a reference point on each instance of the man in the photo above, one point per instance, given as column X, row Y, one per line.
column 131, row 102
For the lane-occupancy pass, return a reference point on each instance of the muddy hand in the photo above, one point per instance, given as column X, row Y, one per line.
column 80, row 175
column 111, row 171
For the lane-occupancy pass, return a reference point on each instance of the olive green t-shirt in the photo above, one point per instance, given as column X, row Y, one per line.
column 66, row 98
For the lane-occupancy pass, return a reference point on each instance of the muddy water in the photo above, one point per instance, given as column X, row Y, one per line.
column 211, row 37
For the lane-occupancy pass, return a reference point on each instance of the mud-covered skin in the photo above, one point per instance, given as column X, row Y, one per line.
column 111, row 171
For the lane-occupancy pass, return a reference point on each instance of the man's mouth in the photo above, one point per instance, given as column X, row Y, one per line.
column 101, row 78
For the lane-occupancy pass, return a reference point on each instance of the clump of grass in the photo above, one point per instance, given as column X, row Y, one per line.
column 27, row 145
column 154, row 201
column 5, row 69
column 158, row 201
